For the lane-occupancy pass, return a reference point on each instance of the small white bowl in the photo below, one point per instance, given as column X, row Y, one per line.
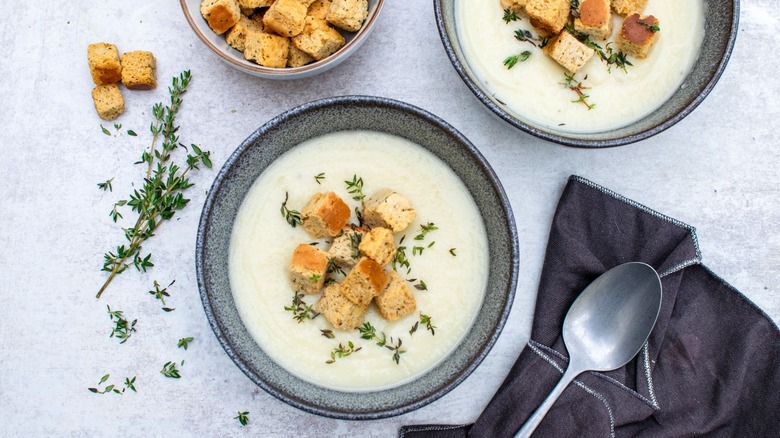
column 218, row 45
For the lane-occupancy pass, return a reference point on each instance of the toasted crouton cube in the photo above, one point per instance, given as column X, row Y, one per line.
column 513, row 5
column 396, row 300
column 139, row 70
column 104, row 64
column 342, row 313
column 236, row 36
column 595, row 19
column 378, row 245
column 254, row 4
column 220, row 14
column 345, row 249
column 569, row 52
column 319, row 9
column 267, row 49
column 348, row 14
column 388, row 209
column 297, row 57
column 318, row 39
column 365, row 281
column 308, row 268
column 637, row 35
column 549, row 15
column 324, row 215
column 108, row 100
column 628, row 7
column 286, row 17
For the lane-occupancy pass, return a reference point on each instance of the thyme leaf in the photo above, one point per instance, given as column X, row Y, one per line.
column 293, row 217
column 122, row 328
column 185, row 342
column 511, row 61
column 510, row 15
column 169, row 370
column 242, row 417
column 342, row 351
column 300, row 310
column 355, row 188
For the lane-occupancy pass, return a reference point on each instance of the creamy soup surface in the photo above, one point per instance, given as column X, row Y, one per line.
column 263, row 242
column 534, row 89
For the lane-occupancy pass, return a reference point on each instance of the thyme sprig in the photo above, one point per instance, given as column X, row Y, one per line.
column 650, row 26
column 526, row 36
column 161, row 194
column 319, row 177
column 122, row 328
column 242, row 417
column 355, row 188
column 300, row 310
column 185, row 342
column 327, row 333
column 368, row 332
column 511, row 61
column 426, row 320
column 160, row 294
column 169, row 370
column 425, row 229
column 293, row 217
column 354, row 242
column 510, row 15
column 578, row 88
column 400, row 260
column 396, row 349
column 109, row 389
column 342, row 351
column 106, row 186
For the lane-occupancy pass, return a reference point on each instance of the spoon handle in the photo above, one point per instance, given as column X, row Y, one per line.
column 534, row 420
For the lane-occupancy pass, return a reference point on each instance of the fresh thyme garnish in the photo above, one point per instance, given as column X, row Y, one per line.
column 359, row 216
column 575, row 8
column 421, row 286
column 315, row 278
column 106, row 186
column 293, row 217
column 319, row 177
column 368, row 332
column 342, row 351
column 355, row 188
column 426, row 320
column 105, row 131
column 400, row 260
column 301, row 311
column 185, row 342
column 354, row 241
column 510, row 15
column 334, row 268
column 526, row 36
column 418, row 250
column 327, row 333
column 425, row 229
column 169, row 370
column 414, row 328
column 130, row 384
column 577, row 87
column 131, row 133
column 651, row 27
column 161, row 193
column 452, row 251
column 122, row 329
column 511, row 61
column 242, row 417
column 107, row 389
column 160, row 294
column 396, row 349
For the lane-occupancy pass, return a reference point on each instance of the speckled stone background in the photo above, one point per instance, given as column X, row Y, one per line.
column 716, row 170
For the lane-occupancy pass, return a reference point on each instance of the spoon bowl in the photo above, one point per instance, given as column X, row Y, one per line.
column 606, row 326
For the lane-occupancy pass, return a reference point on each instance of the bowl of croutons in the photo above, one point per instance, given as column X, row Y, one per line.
column 589, row 73
column 357, row 257
column 282, row 39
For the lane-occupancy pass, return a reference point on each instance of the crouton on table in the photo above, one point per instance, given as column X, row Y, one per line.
column 308, row 268
column 108, row 100
column 396, row 300
column 388, row 209
column 139, row 70
column 104, row 64
column 342, row 313
column 365, row 281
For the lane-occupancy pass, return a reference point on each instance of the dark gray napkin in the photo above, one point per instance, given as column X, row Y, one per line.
column 711, row 366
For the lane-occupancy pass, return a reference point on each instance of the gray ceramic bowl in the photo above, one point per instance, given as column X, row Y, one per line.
column 312, row 120
column 719, row 35
column 217, row 45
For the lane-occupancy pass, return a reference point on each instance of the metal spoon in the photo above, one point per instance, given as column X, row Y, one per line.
column 606, row 326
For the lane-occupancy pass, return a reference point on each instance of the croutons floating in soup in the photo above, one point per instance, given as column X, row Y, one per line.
column 580, row 66
column 358, row 307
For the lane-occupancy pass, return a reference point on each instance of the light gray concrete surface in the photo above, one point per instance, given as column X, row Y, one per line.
column 716, row 170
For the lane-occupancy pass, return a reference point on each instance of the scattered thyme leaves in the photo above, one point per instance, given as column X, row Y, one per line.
column 334, row 268
column 112, row 388
column 300, row 310
column 650, row 26
column 130, row 384
column 161, row 194
column 354, row 242
column 526, row 36
column 315, row 278
column 396, row 349
column 327, row 333
column 414, row 328
column 578, row 88
column 106, row 186
column 341, row 351
column 242, row 417
column 511, row 61
column 400, row 260
column 452, row 252
column 319, row 177
column 426, row 320
column 355, row 188
column 131, row 133
column 417, row 250
column 161, row 293
column 105, row 131
column 425, row 229
column 293, row 217
column 510, row 15
column 185, row 342
column 122, row 328
column 575, row 8
column 421, row 286
column 368, row 332
column 169, row 370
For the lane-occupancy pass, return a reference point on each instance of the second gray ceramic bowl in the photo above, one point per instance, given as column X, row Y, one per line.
column 720, row 33
column 312, row 120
